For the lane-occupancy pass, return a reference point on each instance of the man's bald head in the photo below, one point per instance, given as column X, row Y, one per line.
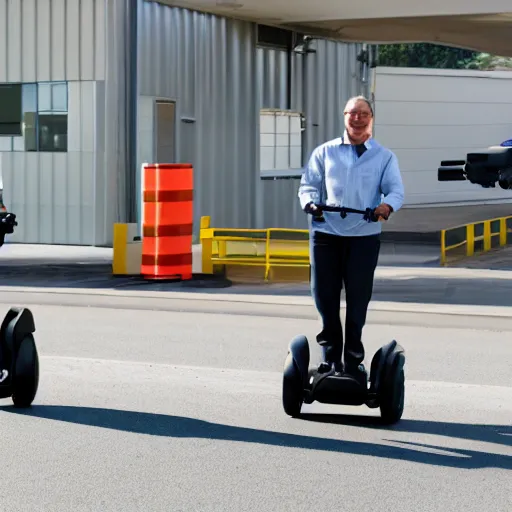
column 358, row 114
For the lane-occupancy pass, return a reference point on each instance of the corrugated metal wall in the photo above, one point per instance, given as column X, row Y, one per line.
column 43, row 40
column 72, row 197
column 208, row 66
column 273, row 67
column 219, row 79
column 322, row 82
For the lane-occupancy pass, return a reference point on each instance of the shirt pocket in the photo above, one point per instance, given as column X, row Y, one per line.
column 368, row 176
column 367, row 185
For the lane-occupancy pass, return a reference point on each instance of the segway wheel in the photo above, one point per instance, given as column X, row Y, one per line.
column 293, row 387
column 392, row 398
column 26, row 373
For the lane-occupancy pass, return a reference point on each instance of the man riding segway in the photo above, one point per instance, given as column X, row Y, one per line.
column 352, row 171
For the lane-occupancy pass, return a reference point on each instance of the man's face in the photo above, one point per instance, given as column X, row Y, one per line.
column 358, row 120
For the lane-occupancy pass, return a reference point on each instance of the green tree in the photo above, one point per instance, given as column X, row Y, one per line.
column 426, row 55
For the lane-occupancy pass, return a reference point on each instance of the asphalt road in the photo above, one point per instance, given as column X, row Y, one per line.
column 172, row 403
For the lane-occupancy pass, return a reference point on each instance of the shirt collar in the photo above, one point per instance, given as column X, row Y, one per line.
column 346, row 140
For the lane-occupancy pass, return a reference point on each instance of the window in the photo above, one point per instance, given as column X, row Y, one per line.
column 34, row 117
column 280, row 140
column 10, row 109
column 52, row 116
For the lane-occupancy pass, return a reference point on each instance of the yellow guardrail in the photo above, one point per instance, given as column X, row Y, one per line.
column 477, row 237
column 272, row 247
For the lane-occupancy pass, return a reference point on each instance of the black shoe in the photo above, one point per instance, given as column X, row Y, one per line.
column 359, row 374
column 338, row 368
column 326, row 367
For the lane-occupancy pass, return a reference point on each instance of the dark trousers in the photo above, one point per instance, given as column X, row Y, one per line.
column 339, row 262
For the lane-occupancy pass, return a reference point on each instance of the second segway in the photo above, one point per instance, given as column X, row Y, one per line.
column 19, row 361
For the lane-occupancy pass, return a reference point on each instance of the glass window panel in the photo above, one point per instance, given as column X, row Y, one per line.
column 10, row 103
column 53, row 132
column 10, row 109
column 44, row 97
column 10, row 128
column 60, row 97
column 29, row 97
column 5, row 143
column 18, row 144
column 29, row 101
column 30, row 130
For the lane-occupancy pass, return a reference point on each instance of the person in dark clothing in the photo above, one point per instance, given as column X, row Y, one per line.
column 354, row 171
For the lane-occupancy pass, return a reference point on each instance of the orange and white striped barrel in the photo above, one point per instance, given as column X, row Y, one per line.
column 168, row 191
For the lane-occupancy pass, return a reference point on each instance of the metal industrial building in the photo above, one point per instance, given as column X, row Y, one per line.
column 105, row 85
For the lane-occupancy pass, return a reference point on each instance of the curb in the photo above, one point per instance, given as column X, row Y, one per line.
column 412, row 237
column 441, row 309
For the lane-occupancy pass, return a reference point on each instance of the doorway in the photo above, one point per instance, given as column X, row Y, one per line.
column 165, row 131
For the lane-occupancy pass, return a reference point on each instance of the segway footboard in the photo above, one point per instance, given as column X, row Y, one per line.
column 338, row 389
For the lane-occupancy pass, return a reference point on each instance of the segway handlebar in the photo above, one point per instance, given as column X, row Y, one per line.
column 368, row 214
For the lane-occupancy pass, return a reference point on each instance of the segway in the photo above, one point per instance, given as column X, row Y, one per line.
column 386, row 388
column 19, row 361
column 7, row 223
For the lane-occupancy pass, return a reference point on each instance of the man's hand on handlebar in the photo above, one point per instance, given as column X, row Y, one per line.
column 383, row 211
column 312, row 209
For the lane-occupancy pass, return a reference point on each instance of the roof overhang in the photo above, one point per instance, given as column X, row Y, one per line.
column 474, row 24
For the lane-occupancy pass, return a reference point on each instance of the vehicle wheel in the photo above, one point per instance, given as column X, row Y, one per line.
column 392, row 398
column 293, row 387
column 26, row 373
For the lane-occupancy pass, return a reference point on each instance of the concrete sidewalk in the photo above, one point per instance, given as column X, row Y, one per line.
column 48, row 268
column 424, row 225
column 22, row 255
column 496, row 259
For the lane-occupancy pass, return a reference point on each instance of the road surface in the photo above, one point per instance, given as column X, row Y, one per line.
column 171, row 402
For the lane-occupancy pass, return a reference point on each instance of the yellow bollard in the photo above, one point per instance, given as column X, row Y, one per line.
column 127, row 257
column 206, row 237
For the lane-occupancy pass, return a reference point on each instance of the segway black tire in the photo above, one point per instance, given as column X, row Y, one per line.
column 392, row 394
column 294, row 375
column 292, row 388
column 26, row 373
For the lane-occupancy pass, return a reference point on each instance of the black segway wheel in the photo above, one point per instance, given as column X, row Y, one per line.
column 26, row 373
column 292, row 388
column 295, row 375
column 392, row 395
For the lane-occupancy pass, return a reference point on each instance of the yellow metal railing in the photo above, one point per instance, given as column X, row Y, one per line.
column 278, row 247
column 273, row 247
column 469, row 239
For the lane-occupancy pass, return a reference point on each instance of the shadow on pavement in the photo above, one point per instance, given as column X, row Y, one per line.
column 498, row 434
column 182, row 427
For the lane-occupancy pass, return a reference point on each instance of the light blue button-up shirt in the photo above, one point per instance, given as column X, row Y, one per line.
column 336, row 176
